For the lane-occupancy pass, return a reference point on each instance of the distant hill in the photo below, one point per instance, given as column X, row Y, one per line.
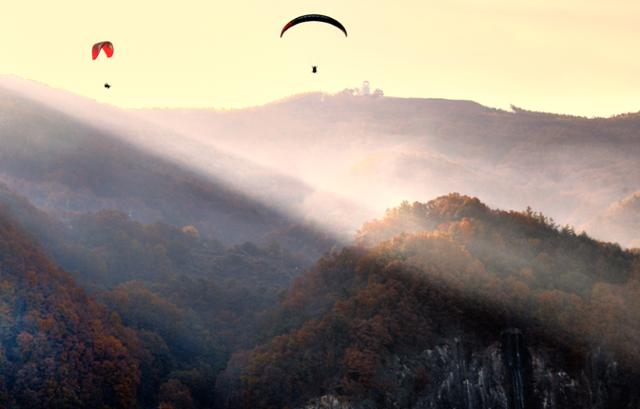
column 333, row 160
column 379, row 151
column 71, row 155
column 452, row 304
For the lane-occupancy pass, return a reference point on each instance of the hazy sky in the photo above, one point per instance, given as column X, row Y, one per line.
column 570, row 56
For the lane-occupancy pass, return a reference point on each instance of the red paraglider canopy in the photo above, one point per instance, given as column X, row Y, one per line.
column 103, row 45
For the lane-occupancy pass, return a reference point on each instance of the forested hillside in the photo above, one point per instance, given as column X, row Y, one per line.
column 426, row 312
column 58, row 348
column 434, row 304
column 188, row 300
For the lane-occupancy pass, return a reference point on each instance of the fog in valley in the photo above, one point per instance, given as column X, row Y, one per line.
column 343, row 159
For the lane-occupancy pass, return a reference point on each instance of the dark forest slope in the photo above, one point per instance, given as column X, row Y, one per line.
column 189, row 301
column 58, row 348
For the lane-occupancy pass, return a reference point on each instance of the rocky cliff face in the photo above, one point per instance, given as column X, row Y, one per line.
column 508, row 374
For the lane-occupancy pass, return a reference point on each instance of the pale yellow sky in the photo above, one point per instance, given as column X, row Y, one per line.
column 569, row 56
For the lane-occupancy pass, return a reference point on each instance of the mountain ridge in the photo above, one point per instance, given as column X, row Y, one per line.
column 67, row 165
column 472, row 306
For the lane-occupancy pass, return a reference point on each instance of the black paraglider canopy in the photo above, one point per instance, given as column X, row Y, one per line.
column 314, row 17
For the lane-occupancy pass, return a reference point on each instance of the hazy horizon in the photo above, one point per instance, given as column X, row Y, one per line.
column 278, row 99
column 570, row 58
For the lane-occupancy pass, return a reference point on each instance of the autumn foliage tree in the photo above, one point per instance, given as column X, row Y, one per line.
column 58, row 348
